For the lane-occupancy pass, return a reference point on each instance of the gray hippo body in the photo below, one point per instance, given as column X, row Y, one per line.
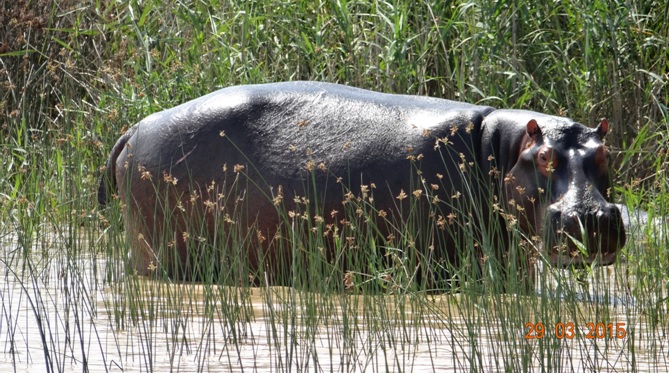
column 642, row 228
column 273, row 144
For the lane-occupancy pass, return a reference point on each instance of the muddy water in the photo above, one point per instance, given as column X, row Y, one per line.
column 59, row 315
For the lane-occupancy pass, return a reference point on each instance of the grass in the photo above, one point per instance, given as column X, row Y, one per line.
column 74, row 75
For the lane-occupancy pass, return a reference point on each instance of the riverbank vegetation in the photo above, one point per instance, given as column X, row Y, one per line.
column 74, row 75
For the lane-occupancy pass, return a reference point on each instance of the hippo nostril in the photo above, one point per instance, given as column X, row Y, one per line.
column 554, row 218
column 614, row 214
column 616, row 225
column 608, row 220
column 572, row 220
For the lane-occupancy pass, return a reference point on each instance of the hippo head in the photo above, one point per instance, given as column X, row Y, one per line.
column 560, row 189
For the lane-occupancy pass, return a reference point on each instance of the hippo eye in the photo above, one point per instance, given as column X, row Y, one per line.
column 543, row 157
column 546, row 160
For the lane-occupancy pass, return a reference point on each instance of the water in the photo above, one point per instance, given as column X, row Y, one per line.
column 60, row 314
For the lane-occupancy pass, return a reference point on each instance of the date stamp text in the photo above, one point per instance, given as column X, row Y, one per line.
column 568, row 330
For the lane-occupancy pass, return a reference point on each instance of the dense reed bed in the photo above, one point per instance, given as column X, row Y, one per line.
column 74, row 75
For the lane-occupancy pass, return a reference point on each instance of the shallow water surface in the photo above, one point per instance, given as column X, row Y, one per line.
column 63, row 314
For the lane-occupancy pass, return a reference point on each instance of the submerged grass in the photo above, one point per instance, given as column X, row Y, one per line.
column 74, row 75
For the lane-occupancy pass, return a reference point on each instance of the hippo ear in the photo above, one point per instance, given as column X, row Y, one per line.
column 534, row 131
column 602, row 128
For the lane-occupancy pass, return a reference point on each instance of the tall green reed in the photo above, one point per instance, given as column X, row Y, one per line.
column 75, row 74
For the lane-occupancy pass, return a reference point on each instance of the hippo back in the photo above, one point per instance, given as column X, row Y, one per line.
column 280, row 138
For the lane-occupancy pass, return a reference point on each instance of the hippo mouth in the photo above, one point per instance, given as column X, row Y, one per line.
column 584, row 238
column 565, row 258
column 569, row 252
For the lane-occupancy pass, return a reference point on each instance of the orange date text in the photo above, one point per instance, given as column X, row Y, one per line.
column 568, row 330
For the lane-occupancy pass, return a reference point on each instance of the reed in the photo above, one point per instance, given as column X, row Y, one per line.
column 74, row 75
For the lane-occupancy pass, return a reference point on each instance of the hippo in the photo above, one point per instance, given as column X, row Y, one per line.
column 642, row 227
column 254, row 157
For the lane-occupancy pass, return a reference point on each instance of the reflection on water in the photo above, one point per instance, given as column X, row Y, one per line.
column 63, row 317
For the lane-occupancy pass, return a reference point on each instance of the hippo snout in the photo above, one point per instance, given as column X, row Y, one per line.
column 600, row 229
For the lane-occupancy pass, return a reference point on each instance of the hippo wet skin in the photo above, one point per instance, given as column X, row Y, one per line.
column 265, row 160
